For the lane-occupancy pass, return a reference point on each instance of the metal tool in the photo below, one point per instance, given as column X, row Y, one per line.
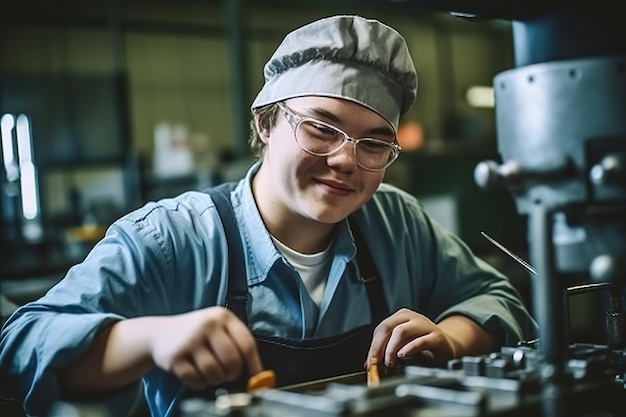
column 522, row 262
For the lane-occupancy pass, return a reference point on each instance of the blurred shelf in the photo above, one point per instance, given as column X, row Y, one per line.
column 22, row 260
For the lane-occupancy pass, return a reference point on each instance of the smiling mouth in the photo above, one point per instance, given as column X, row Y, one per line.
column 335, row 186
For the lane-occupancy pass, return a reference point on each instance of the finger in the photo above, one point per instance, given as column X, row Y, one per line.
column 209, row 365
column 379, row 341
column 188, row 374
column 400, row 336
column 221, row 353
column 245, row 345
column 415, row 326
column 415, row 346
column 430, row 345
column 383, row 333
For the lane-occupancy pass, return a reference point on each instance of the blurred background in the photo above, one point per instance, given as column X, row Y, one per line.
column 105, row 105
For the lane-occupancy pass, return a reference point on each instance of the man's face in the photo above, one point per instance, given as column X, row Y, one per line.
column 326, row 189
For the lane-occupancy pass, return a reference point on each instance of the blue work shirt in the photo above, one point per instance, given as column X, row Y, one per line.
column 171, row 257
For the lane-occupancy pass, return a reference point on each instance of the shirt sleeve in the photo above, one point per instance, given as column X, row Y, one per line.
column 441, row 273
column 46, row 335
column 109, row 285
column 467, row 285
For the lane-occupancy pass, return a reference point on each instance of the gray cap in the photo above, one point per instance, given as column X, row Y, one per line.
column 349, row 57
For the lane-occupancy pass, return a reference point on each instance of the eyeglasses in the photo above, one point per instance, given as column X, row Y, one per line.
column 322, row 139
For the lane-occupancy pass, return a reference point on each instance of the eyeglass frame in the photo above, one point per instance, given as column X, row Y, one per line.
column 295, row 120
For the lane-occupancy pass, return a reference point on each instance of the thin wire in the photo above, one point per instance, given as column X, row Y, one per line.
column 522, row 262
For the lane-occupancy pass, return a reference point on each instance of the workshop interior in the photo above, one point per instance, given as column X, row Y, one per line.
column 517, row 143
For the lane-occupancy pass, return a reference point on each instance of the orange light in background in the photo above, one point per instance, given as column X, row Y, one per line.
column 410, row 135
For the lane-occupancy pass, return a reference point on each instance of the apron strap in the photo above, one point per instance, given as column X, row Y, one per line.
column 237, row 294
column 369, row 276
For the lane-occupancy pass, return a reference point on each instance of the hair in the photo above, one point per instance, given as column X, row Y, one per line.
column 267, row 116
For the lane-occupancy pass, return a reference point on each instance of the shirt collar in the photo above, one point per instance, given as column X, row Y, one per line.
column 257, row 243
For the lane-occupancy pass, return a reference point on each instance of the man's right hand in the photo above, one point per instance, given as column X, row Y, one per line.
column 204, row 348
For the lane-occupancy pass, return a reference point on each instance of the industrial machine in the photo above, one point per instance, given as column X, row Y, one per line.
column 561, row 124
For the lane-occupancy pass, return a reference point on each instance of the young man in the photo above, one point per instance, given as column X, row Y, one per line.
column 158, row 297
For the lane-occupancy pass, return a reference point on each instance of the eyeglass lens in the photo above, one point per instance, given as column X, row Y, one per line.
column 321, row 139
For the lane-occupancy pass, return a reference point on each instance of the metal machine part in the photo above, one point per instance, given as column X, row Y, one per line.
column 506, row 383
column 558, row 162
column 562, row 141
column 562, row 138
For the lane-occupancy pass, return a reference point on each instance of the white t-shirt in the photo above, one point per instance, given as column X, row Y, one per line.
column 313, row 268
